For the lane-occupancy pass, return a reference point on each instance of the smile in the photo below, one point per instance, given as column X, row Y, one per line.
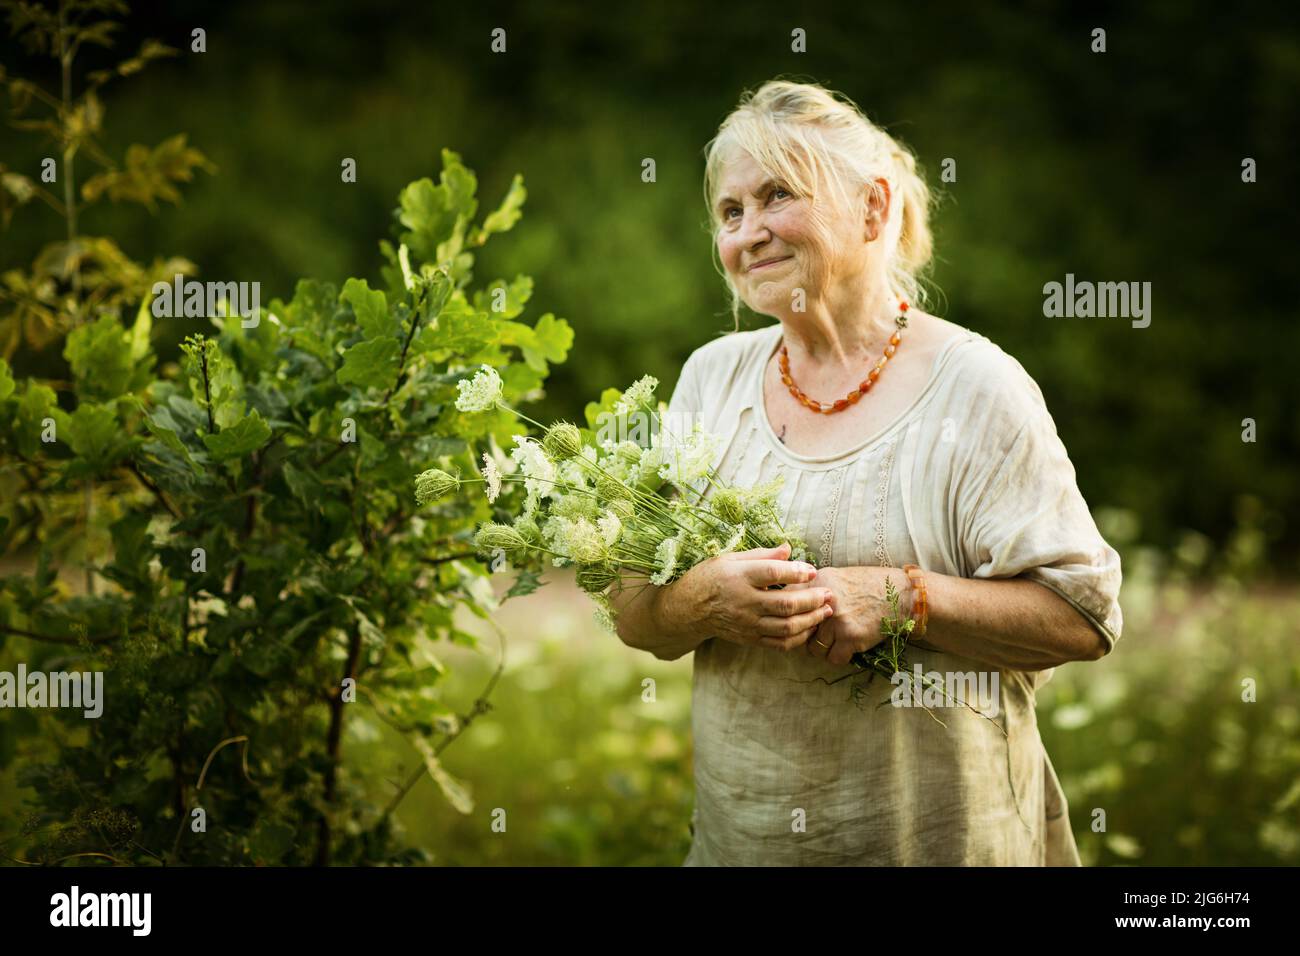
column 768, row 265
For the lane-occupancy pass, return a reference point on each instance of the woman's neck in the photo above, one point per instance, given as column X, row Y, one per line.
column 841, row 336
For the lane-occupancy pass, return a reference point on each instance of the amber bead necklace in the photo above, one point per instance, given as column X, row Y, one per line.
column 863, row 387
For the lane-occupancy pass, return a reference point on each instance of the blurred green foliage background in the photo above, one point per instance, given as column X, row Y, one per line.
column 1123, row 166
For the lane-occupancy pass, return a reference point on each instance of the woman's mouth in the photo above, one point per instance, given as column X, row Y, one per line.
column 767, row 264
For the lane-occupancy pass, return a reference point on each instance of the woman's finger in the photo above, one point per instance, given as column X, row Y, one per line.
column 820, row 644
column 780, row 552
column 763, row 574
column 789, row 602
column 787, row 633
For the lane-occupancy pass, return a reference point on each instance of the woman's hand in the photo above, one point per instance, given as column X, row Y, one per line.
column 858, row 599
column 727, row 597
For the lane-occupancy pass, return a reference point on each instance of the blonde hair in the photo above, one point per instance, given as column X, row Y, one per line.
column 803, row 135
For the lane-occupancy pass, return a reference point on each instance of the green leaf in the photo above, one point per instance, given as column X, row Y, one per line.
column 526, row 583
column 93, row 433
column 456, row 792
column 143, row 328
column 435, row 215
column 553, row 337
column 270, row 840
column 595, row 412
column 372, row 363
column 370, row 307
column 306, row 487
column 507, row 214
column 100, row 355
column 158, row 426
column 518, row 380
column 236, row 441
column 132, row 549
column 147, row 175
column 459, row 328
column 36, row 404
column 6, row 380
column 512, row 297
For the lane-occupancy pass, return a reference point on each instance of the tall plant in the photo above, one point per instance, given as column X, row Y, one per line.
column 79, row 276
column 270, row 580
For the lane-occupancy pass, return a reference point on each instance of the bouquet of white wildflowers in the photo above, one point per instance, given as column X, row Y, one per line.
column 643, row 505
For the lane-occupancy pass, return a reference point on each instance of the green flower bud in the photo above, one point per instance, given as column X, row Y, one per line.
column 611, row 489
column 624, row 508
column 530, row 532
column 594, row 578
column 433, row 484
column 629, row 451
column 563, row 441
column 494, row 535
column 728, row 505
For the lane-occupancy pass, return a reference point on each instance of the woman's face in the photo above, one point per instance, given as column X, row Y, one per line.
column 761, row 221
column 768, row 245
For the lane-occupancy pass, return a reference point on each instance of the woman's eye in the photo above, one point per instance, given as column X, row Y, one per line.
column 778, row 189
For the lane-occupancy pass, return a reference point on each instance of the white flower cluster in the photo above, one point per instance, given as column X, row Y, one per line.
column 537, row 468
column 687, row 459
column 616, row 508
column 666, row 556
column 480, row 393
column 636, row 395
column 492, row 475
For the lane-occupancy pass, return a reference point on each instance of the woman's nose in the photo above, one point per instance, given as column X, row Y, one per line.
column 754, row 233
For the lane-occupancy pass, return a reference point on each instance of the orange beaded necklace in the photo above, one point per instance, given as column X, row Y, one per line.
column 863, row 387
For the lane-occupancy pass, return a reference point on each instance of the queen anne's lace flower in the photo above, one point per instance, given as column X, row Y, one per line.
column 480, row 393
column 651, row 459
column 577, row 539
column 734, row 541
column 604, row 614
column 610, row 527
column 537, row 469
column 665, row 560
column 690, row 459
column 639, row 393
column 492, row 474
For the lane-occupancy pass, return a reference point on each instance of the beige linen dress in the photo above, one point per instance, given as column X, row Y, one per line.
column 970, row 480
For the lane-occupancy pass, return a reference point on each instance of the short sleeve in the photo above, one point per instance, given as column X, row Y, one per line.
column 1023, row 514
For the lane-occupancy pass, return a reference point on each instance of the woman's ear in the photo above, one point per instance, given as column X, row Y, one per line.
column 878, row 202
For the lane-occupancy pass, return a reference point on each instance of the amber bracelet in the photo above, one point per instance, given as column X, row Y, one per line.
column 920, row 604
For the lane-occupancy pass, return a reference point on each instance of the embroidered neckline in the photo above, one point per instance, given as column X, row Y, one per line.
column 825, row 461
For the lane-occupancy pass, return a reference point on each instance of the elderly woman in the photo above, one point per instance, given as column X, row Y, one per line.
column 913, row 450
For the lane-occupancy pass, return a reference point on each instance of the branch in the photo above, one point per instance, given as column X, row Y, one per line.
column 144, row 480
column 207, row 392
column 58, row 638
column 333, row 744
column 401, row 362
column 450, row 557
column 479, row 707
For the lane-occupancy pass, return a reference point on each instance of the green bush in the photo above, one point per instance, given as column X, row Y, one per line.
column 267, row 563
